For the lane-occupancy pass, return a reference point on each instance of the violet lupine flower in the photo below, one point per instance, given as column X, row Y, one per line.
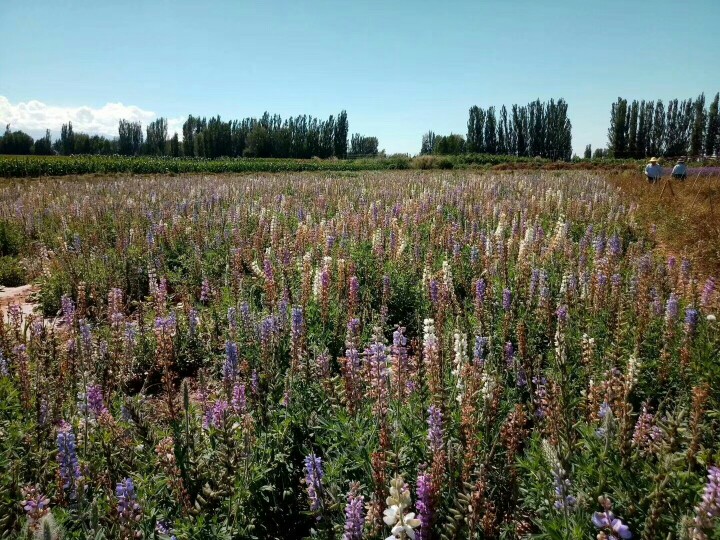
column 215, row 415
column 534, row 278
column 232, row 318
column 562, row 313
column 128, row 509
column 692, row 316
column 604, row 410
column 231, row 361
column 563, row 499
column 95, row 401
column 707, row 293
column 166, row 325
column 434, row 291
column 507, row 299
column 86, row 335
column 435, row 429
column 671, row 308
column 245, row 314
column 239, row 399
column 615, row 245
column 480, row 288
column 36, row 506
column 479, row 349
column 540, row 396
column 709, row 508
column 354, row 287
column 474, row 255
column 423, row 492
column 613, row 527
column 205, row 291
column 296, row 324
column 255, row 382
column 68, row 310
column 509, row 352
column 193, row 320
column 313, row 481
column 4, row 371
column 685, row 267
column 68, row 461
column 354, row 515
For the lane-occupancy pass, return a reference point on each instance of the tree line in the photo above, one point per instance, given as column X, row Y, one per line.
column 648, row 128
column 302, row 136
column 540, row 129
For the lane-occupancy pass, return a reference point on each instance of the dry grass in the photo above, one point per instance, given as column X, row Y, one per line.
column 685, row 214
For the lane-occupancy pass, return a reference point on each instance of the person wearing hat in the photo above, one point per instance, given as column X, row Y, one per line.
column 653, row 171
column 680, row 170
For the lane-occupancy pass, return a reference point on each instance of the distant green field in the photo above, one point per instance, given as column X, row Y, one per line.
column 36, row 166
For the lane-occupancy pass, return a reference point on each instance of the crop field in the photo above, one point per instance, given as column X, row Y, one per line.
column 359, row 355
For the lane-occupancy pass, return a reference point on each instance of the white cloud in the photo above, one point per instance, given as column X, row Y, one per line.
column 34, row 117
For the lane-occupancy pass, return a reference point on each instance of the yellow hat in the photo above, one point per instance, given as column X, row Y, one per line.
column 653, row 160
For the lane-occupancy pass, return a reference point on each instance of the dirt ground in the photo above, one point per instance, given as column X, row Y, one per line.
column 17, row 295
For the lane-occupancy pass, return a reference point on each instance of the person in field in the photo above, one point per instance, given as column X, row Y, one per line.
column 680, row 170
column 653, row 170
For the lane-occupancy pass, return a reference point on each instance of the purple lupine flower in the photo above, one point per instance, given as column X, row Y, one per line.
column 354, row 515
column 709, row 508
column 707, row 293
column 267, row 329
column 685, row 267
column 534, row 278
column 435, row 429
column 509, row 353
column 521, row 378
column 479, row 349
column 540, row 396
column 296, row 323
column 474, row 255
column 245, row 313
column 232, row 318
column 239, row 400
column 254, row 382
column 354, row 287
column 692, row 316
column 68, row 310
column 215, row 415
column 35, row 504
column 434, row 291
column 615, row 245
column 95, row 401
column 231, row 361
column 671, row 308
column 205, row 291
column 480, row 288
column 4, row 371
column 563, row 499
column 604, row 410
column 130, row 334
column 193, row 320
column 612, row 526
column 128, row 509
column 86, row 335
column 671, row 263
column 562, row 313
column 162, row 526
column 313, row 481
column 507, row 299
column 67, row 459
column 166, row 325
column 423, row 491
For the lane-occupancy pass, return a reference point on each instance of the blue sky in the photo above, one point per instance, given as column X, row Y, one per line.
column 399, row 68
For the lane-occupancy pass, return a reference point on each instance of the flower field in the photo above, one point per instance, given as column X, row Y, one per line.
column 398, row 354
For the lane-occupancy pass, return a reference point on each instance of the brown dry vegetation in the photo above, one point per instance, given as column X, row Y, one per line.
column 686, row 215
